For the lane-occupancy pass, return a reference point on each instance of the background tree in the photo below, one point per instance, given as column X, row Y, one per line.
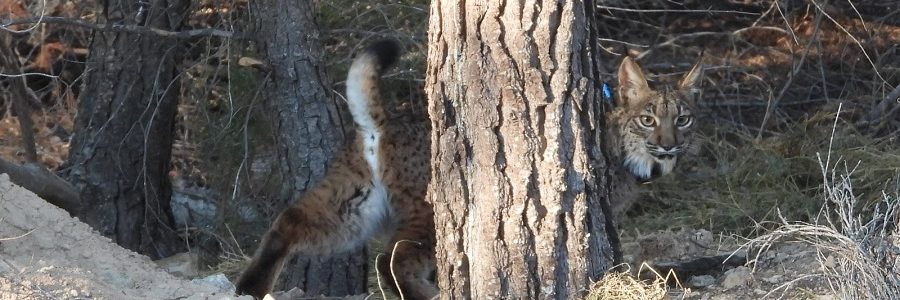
column 518, row 180
column 121, row 149
column 307, row 131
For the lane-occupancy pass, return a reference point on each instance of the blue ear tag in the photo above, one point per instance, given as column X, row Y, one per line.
column 607, row 93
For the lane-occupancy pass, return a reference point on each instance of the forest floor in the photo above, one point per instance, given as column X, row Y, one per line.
column 787, row 270
column 46, row 254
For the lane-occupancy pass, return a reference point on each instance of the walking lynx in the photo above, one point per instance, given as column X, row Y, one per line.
column 377, row 182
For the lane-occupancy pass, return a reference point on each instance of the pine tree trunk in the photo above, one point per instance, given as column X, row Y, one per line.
column 308, row 132
column 519, row 181
column 121, row 149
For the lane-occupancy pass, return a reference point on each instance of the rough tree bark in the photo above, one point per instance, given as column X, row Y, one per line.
column 307, row 130
column 519, row 177
column 121, row 149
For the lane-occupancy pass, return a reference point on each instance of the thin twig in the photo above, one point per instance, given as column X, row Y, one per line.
column 855, row 40
column 677, row 10
column 20, row 94
column 18, row 237
column 391, row 264
column 378, row 276
column 187, row 34
column 774, row 103
column 35, row 24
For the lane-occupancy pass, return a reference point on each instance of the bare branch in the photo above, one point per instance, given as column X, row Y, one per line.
column 711, row 11
column 188, row 34
column 20, row 91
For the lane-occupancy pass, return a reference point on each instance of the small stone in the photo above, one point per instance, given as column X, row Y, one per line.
column 218, row 281
column 185, row 265
column 736, row 277
column 702, row 281
column 780, row 257
column 773, row 279
column 829, row 262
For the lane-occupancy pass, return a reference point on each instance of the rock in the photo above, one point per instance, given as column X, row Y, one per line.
column 192, row 206
column 294, row 293
column 773, row 279
column 736, row 277
column 829, row 262
column 185, row 264
column 702, row 281
column 217, row 280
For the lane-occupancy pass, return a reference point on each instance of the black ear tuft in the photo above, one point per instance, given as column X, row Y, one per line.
column 386, row 53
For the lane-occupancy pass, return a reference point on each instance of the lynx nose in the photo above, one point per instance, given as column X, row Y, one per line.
column 663, row 151
column 658, row 147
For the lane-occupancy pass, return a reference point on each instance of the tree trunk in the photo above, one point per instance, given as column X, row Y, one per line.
column 307, row 130
column 121, row 149
column 519, row 179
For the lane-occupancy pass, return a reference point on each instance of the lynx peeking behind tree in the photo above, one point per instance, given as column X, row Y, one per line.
column 648, row 130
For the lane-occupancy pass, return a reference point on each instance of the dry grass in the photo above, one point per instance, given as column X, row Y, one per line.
column 736, row 185
column 857, row 255
column 624, row 286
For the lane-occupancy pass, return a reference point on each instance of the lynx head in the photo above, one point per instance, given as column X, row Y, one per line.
column 654, row 125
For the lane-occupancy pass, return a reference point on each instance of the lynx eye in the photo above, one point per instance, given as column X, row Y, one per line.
column 684, row 121
column 647, row 121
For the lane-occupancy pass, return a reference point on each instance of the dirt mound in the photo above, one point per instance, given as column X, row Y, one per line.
column 45, row 253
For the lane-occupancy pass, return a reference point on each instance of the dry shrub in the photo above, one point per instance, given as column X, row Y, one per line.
column 858, row 256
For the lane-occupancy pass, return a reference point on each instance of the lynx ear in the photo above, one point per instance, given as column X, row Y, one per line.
column 692, row 78
column 633, row 86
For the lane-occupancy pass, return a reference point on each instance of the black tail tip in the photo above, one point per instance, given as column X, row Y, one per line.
column 386, row 52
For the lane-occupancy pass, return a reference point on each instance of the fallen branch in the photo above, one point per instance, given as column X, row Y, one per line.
column 44, row 183
column 698, row 265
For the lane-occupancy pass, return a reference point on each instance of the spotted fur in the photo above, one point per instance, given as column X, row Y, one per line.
column 374, row 187
column 649, row 129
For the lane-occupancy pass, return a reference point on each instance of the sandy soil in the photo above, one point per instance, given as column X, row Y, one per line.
column 46, row 254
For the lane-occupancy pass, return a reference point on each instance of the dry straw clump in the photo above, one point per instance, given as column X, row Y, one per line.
column 859, row 256
column 625, row 286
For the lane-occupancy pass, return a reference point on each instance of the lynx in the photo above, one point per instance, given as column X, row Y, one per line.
column 648, row 129
column 376, row 184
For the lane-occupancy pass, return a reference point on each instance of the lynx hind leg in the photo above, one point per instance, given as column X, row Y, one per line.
column 312, row 228
column 413, row 264
column 259, row 278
